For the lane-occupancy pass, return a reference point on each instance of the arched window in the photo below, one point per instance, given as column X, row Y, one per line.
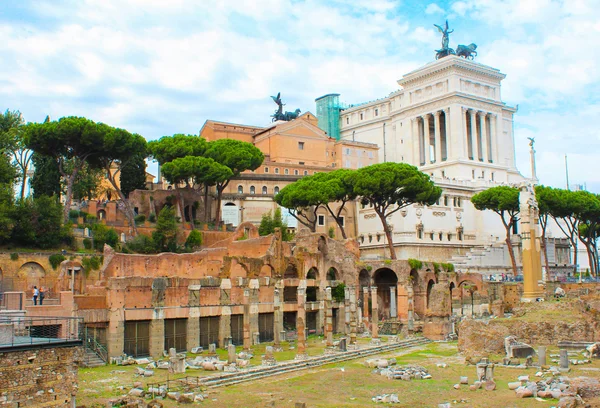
column 240, row 189
column 276, row 190
column 276, row 170
column 286, row 171
column 306, row 172
column 295, row 172
column 264, row 190
column 252, row 190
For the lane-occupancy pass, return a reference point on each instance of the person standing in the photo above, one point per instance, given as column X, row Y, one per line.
column 36, row 293
column 42, row 295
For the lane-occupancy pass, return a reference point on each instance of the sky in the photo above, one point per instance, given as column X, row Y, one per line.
column 160, row 67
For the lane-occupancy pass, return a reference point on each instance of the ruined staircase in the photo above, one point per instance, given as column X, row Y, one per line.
column 486, row 258
column 226, row 379
column 92, row 359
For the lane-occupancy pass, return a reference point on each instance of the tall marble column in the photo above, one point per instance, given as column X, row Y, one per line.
column 437, row 132
column 375, row 313
column 484, row 136
column 411, row 307
column 393, row 302
column 416, row 141
column 467, row 139
column 347, row 310
column 277, row 318
column 246, row 320
column 493, row 138
column 447, row 132
column 427, row 137
column 301, row 324
column 366, row 307
column 353, row 315
column 474, row 138
column 328, row 318
column 225, row 319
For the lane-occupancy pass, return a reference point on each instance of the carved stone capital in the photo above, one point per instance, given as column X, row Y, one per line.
column 437, row 113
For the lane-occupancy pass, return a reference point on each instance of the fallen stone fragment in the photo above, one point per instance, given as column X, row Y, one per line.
column 523, row 392
column 514, row 385
column 490, row 385
column 464, row 380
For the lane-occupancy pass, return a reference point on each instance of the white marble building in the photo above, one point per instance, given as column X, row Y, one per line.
column 448, row 119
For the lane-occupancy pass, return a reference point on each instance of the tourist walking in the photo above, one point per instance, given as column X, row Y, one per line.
column 42, row 295
column 36, row 293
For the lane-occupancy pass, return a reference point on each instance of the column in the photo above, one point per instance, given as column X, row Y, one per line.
column 246, row 320
column 411, row 308
column 484, row 137
column 437, row 132
column 328, row 319
column 427, row 138
column 301, row 324
column 193, row 321
column 375, row 313
column 366, row 307
column 321, row 311
column 115, row 336
column 474, row 138
column 254, row 286
column 277, row 317
column 225, row 320
column 347, row 309
column 465, row 133
column 393, row 300
column 416, row 142
column 447, row 132
column 353, row 315
column 157, row 334
column 493, row 138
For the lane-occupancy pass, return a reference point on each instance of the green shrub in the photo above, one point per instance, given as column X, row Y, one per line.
column 242, row 238
column 91, row 263
column 141, row 244
column 436, row 267
column 331, row 232
column 194, row 240
column 449, row 267
column 73, row 214
column 14, row 256
column 104, row 235
column 387, row 261
column 87, row 243
column 139, row 219
column 415, row 264
column 55, row 260
column 152, row 217
column 337, row 293
column 91, row 219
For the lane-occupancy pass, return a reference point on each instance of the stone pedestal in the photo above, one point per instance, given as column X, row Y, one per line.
column 564, row 360
column 231, row 354
column 176, row 363
column 542, row 355
column 269, row 358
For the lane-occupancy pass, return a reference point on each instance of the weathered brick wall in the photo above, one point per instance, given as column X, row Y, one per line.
column 44, row 377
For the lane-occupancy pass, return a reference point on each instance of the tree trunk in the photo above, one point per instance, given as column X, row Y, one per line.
column 337, row 221
column 511, row 251
column 218, row 209
column 206, row 215
column 545, row 246
column 24, row 183
column 575, row 255
column 128, row 210
column 69, row 194
column 388, row 235
column 181, row 206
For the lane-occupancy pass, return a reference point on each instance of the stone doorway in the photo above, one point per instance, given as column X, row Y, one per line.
column 137, row 338
column 209, row 331
column 266, row 327
column 237, row 329
column 386, row 282
column 176, row 334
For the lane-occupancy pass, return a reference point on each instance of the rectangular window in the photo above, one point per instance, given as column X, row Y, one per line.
column 348, row 151
column 347, row 121
column 370, row 155
column 361, row 116
column 266, row 169
column 342, row 220
column 376, row 112
column 321, row 220
column 301, row 163
column 301, row 145
column 347, row 164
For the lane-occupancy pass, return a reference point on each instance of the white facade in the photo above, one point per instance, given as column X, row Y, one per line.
column 448, row 119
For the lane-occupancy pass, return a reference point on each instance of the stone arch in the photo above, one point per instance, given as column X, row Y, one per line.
column 452, row 286
column 429, row 288
column 313, row 273
column 468, row 288
column 238, row 270
column 31, row 274
column 101, row 214
column 291, row 272
column 266, row 271
column 384, row 279
column 332, row 274
column 190, row 209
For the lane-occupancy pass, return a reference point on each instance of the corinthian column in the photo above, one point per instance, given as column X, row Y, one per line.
column 438, row 136
column 474, row 138
column 447, row 132
column 427, row 137
column 484, row 138
column 493, row 138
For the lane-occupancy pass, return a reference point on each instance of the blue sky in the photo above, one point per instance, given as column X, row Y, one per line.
column 160, row 67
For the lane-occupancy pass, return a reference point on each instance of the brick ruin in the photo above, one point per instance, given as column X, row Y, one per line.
column 39, row 376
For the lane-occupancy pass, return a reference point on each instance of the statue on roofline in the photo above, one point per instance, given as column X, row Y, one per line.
column 465, row 51
column 279, row 114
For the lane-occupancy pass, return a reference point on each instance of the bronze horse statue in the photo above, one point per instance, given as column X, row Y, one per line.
column 467, row 51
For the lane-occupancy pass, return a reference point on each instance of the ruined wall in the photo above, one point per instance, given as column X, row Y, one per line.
column 39, row 377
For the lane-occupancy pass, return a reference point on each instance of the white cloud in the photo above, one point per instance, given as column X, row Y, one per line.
column 433, row 8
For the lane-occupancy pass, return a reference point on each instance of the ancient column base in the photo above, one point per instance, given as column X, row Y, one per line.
column 375, row 342
column 532, row 296
column 301, row 356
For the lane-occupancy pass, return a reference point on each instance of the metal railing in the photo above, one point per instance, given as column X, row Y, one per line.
column 17, row 330
column 12, row 300
column 93, row 344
